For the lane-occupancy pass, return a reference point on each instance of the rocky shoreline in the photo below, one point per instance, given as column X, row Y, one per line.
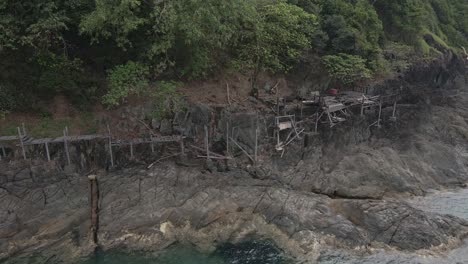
column 343, row 189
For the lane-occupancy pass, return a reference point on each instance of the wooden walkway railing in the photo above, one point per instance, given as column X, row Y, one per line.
column 24, row 140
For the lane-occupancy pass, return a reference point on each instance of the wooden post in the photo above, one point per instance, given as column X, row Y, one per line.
column 362, row 107
column 380, row 112
column 21, row 143
column 24, row 129
column 256, row 142
column 65, row 142
column 110, row 146
column 394, row 110
column 207, row 146
column 131, row 149
column 94, row 203
column 182, row 146
column 227, row 139
column 47, row 151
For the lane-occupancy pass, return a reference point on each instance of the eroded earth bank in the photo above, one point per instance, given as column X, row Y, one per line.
column 343, row 189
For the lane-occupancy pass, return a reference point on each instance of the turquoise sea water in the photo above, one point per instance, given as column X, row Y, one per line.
column 253, row 252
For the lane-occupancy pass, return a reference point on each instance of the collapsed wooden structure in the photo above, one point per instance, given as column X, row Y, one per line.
column 289, row 125
column 330, row 110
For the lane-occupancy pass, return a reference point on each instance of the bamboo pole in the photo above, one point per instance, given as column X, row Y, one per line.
column 21, row 143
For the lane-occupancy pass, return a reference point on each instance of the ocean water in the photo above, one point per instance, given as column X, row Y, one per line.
column 252, row 252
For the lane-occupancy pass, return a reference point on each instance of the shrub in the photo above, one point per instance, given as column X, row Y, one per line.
column 347, row 68
column 124, row 80
column 166, row 99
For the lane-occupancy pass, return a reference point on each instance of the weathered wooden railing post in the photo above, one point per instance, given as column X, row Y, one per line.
column 110, row 146
column 256, row 143
column 24, row 129
column 65, row 142
column 380, row 112
column 227, row 139
column 207, row 144
column 47, row 150
column 20, row 137
column 393, row 118
column 94, row 203
column 182, row 146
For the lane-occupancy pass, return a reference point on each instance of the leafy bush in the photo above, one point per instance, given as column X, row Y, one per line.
column 124, row 80
column 166, row 100
column 347, row 68
column 279, row 36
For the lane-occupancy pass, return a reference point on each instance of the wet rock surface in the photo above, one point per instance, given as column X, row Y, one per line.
column 341, row 189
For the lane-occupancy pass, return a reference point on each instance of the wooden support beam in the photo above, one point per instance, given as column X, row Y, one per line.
column 94, row 204
column 393, row 118
column 243, row 150
column 227, row 139
column 380, row 113
column 111, row 156
column 182, row 147
column 21, row 143
column 47, row 151
column 362, row 107
column 207, row 146
column 65, row 142
column 256, row 144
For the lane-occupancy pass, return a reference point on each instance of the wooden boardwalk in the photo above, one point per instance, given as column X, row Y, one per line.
column 23, row 140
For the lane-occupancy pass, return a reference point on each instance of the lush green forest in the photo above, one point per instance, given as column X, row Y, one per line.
column 104, row 50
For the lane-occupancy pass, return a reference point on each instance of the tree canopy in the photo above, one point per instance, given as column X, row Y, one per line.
column 82, row 48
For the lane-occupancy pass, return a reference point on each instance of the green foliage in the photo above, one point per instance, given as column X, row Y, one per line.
column 8, row 99
column 124, row 80
column 166, row 99
column 347, row 68
column 279, row 36
column 66, row 47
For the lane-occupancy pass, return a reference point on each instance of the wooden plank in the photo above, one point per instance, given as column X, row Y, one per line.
column 8, row 138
